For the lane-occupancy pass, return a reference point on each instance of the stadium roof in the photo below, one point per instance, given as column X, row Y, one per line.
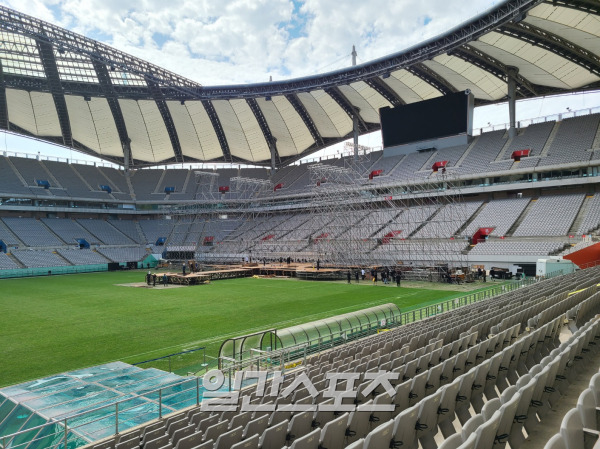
column 62, row 87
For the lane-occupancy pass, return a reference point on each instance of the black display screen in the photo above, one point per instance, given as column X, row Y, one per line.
column 430, row 119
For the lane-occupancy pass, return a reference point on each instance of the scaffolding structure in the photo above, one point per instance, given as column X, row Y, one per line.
column 351, row 218
column 355, row 224
column 206, row 185
column 224, row 223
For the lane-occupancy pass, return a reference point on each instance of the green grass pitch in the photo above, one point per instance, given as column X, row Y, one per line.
column 54, row 324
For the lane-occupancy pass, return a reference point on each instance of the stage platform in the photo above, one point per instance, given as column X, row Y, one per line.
column 202, row 277
column 322, row 273
column 218, row 272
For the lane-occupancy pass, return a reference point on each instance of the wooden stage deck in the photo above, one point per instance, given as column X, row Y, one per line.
column 302, row 271
column 203, row 277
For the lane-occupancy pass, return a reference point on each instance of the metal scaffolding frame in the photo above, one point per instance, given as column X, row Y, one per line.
column 355, row 225
column 347, row 221
column 207, row 184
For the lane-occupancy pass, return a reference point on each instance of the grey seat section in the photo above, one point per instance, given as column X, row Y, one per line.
column 358, row 444
column 249, row 443
column 207, row 422
column 190, row 441
column 274, row 437
column 308, row 441
column 206, row 445
column 452, row 442
column 428, row 419
column 228, row 439
column 380, row 437
column 129, row 444
column 241, row 419
column 404, row 433
column 556, row 442
column 256, row 427
column 359, row 422
column 586, row 405
column 334, row 432
column 447, row 408
column 157, row 443
column 299, row 425
column 321, row 417
column 214, row 431
column 182, row 433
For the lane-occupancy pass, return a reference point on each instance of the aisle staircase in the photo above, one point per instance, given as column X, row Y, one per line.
column 583, row 210
column 517, row 223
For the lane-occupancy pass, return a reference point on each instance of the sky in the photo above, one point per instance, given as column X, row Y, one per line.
column 216, row 42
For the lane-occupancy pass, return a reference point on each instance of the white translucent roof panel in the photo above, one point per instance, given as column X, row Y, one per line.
column 206, row 132
column 410, row 87
column 252, row 130
column 34, row 112
column 464, row 75
column 92, row 125
column 375, row 100
column 578, row 27
column 191, row 144
column 338, row 116
column 108, row 136
column 568, row 17
column 149, row 138
column 279, row 128
column 233, row 121
column 299, row 133
column 234, row 133
column 322, row 121
column 367, row 112
column 82, row 123
column 46, row 116
column 20, row 110
column 534, row 63
column 159, row 136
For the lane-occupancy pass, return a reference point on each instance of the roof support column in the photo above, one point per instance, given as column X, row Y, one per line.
column 273, row 149
column 4, row 124
column 126, row 154
column 355, row 115
column 512, row 100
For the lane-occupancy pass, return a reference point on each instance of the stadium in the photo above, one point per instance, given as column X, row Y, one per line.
column 213, row 280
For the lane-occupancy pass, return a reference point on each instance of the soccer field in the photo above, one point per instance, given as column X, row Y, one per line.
column 54, row 324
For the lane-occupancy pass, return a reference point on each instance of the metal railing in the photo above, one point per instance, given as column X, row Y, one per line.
column 531, row 121
column 179, row 363
column 45, row 157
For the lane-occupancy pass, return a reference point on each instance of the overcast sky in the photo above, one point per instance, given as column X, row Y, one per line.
column 244, row 41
